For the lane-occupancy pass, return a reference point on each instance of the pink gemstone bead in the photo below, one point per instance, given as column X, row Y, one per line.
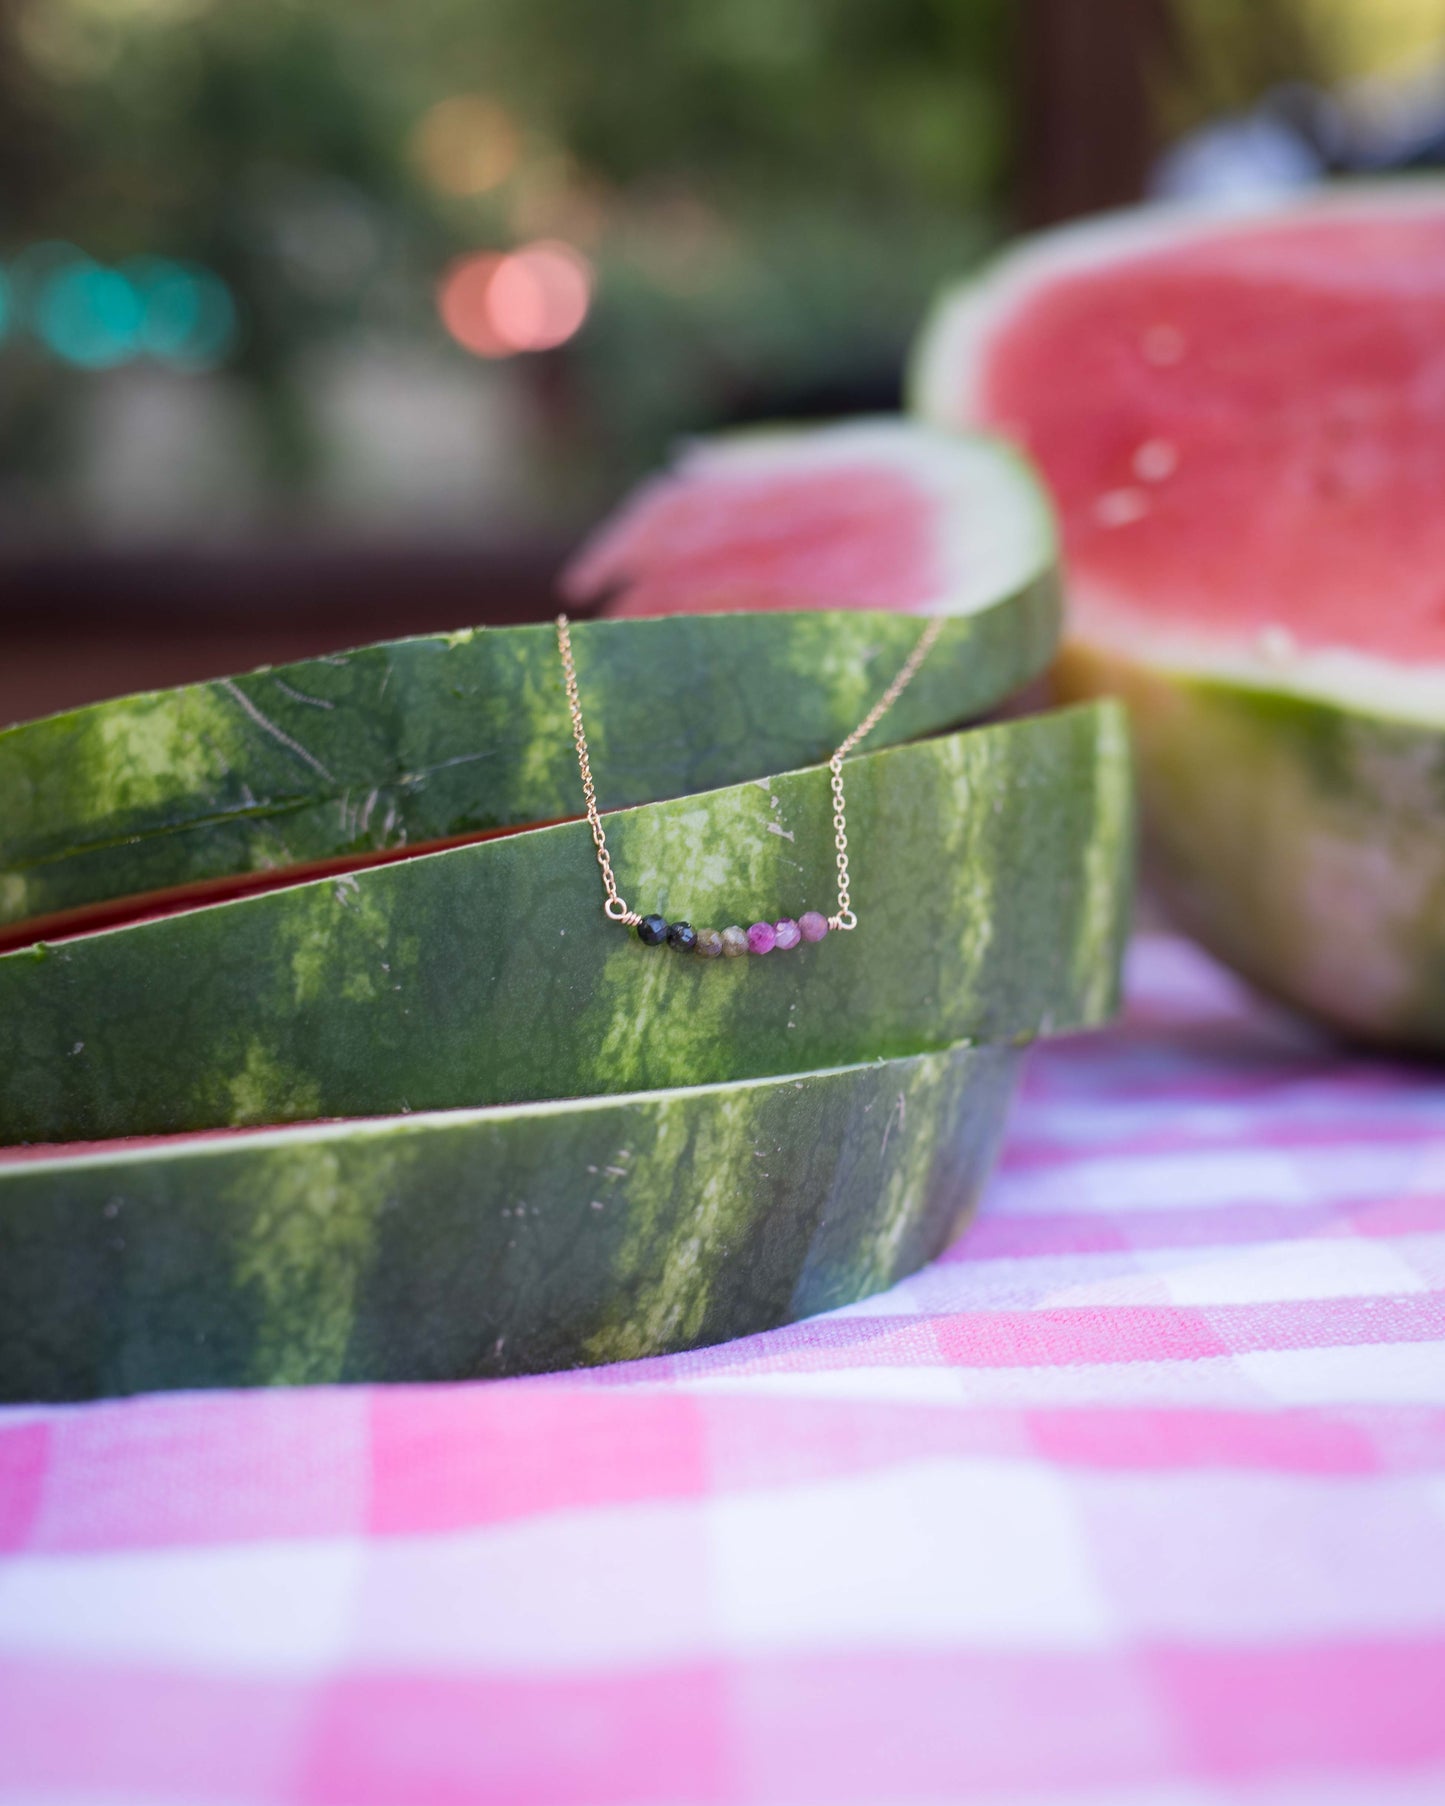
column 788, row 933
column 812, row 926
column 762, row 937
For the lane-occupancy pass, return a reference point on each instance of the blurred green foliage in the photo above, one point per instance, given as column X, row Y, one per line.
column 768, row 188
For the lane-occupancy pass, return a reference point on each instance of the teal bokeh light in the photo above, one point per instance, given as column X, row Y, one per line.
column 189, row 318
column 89, row 316
column 7, row 308
column 95, row 318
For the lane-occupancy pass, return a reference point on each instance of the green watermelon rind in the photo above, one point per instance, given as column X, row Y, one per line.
column 485, row 1243
column 430, row 739
column 1302, row 842
column 991, row 872
column 1293, row 803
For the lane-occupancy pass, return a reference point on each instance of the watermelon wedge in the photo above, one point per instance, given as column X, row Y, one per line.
column 1242, row 420
column 990, row 876
column 342, row 761
column 486, row 1242
column 865, row 514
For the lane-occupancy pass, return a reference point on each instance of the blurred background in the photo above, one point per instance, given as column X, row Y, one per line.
column 327, row 320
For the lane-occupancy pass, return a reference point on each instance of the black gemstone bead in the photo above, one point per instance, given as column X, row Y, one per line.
column 683, row 936
column 652, row 930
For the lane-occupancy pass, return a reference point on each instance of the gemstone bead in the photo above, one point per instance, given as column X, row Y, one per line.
column 734, row 942
column 709, row 943
column 652, row 930
column 683, row 936
column 812, row 926
column 788, row 933
column 762, row 937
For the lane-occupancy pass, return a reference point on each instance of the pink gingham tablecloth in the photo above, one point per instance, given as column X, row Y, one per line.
column 1136, row 1498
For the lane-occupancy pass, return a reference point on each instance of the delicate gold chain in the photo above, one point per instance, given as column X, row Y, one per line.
column 615, row 908
column 845, row 918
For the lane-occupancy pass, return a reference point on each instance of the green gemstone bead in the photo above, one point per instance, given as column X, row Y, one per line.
column 709, row 943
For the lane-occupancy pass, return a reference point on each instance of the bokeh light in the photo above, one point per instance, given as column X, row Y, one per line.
column 7, row 308
column 532, row 299
column 89, row 316
column 462, row 304
column 96, row 318
column 539, row 295
column 465, row 145
column 188, row 319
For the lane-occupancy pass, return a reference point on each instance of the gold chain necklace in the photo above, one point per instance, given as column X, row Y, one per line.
column 762, row 937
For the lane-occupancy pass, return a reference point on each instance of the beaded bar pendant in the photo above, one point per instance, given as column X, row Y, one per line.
column 732, row 943
column 762, row 937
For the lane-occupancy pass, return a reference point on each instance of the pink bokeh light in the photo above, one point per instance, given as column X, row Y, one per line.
column 531, row 299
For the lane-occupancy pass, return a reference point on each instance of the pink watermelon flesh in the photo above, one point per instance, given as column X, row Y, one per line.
column 23, row 1153
column 705, row 542
column 1246, row 432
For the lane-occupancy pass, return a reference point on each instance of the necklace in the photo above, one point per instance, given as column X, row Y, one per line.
column 762, row 937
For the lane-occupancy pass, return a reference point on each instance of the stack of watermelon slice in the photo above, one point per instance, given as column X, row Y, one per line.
column 1242, row 420
column 318, row 1060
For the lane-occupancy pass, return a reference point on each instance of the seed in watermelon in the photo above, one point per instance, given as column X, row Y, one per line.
column 1242, row 420
column 482, row 1243
column 489, row 975
column 366, row 754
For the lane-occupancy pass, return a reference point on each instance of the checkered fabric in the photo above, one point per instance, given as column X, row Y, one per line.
column 1136, row 1498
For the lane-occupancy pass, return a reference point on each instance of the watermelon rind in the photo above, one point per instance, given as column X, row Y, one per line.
column 407, row 744
column 1302, row 842
column 492, row 1242
column 1293, row 799
column 991, row 872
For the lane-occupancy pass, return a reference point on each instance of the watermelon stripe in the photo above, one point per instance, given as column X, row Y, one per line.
column 434, row 738
column 1302, row 841
column 489, row 1242
column 990, row 874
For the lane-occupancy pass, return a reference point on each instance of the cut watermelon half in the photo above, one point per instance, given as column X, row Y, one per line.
column 1242, row 419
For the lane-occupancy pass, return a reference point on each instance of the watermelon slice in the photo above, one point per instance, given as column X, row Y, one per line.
column 866, row 514
column 1242, row 419
column 990, row 876
column 486, row 1242
column 337, row 762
